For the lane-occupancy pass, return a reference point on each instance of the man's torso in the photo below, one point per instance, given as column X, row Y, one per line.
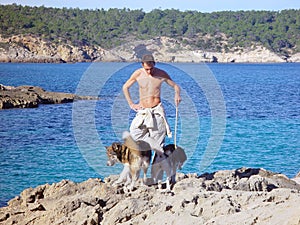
column 150, row 88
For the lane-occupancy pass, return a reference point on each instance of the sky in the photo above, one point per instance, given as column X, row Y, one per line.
column 182, row 5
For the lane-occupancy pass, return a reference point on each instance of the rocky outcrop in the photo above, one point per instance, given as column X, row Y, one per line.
column 31, row 97
column 170, row 50
column 297, row 178
column 254, row 54
column 242, row 196
column 294, row 58
column 34, row 49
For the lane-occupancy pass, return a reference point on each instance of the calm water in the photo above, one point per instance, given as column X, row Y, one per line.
column 43, row 145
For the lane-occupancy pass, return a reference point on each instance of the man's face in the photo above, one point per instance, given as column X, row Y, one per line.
column 149, row 67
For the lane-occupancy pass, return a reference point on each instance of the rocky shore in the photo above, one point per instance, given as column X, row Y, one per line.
column 241, row 196
column 34, row 49
column 31, row 97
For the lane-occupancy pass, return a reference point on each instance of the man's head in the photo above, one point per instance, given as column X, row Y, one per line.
column 148, row 63
column 148, row 59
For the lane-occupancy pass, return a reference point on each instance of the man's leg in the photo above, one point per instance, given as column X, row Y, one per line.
column 158, row 135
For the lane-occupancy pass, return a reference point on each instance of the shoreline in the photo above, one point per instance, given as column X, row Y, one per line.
column 240, row 196
column 27, row 48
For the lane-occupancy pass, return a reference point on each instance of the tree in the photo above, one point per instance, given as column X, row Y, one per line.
column 276, row 30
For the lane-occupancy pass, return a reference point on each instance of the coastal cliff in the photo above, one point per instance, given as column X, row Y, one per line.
column 34, row 49
column 241, row 196
column 31, row 97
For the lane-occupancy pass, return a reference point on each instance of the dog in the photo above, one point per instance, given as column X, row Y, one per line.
column 134, row 156
column 172, row 159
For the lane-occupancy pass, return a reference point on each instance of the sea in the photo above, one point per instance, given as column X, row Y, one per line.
column 230, row 116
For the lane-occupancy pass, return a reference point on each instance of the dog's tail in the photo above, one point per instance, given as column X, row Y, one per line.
column 129, row 142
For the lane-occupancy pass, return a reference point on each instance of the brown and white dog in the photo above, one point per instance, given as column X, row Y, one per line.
column 172, row 159
column 133, row 157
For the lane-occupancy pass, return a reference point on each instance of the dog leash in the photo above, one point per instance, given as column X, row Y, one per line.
column 176, row 120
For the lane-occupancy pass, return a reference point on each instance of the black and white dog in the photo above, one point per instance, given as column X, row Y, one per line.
column 172, row 159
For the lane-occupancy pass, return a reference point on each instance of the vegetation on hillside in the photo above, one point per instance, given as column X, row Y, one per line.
column 279, row 31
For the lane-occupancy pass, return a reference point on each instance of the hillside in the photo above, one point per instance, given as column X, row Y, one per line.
column 40, row 34
column 34, row 49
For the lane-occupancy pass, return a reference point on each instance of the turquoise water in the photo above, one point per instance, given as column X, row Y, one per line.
column 40, row 146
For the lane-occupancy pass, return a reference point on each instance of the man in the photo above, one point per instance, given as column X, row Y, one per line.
column 150, row 124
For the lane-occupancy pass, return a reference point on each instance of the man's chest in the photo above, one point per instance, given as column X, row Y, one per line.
column 150, row 82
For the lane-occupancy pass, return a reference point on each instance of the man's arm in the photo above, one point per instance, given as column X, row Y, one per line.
column 177, row 98
column 126, row 87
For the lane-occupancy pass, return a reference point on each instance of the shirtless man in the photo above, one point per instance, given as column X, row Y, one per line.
column 150, row 124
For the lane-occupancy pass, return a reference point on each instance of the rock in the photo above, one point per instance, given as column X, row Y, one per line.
column 294, row 58
column 247, row 179
column 30, row 48
column 109, row 56
column 212, row 198
column 12, row 97
column 297, row 178
column 31, row 97
column 257, row 54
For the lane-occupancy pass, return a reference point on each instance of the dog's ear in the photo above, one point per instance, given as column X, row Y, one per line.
column 116, row 146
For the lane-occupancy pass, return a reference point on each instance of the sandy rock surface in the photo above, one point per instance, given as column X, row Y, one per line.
column 242, row 196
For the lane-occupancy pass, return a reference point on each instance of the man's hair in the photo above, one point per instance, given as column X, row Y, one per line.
column 148, row 58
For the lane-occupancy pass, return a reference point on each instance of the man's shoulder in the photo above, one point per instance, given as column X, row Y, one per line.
column 137, row 72
column 160, row 70
column 162, row 73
